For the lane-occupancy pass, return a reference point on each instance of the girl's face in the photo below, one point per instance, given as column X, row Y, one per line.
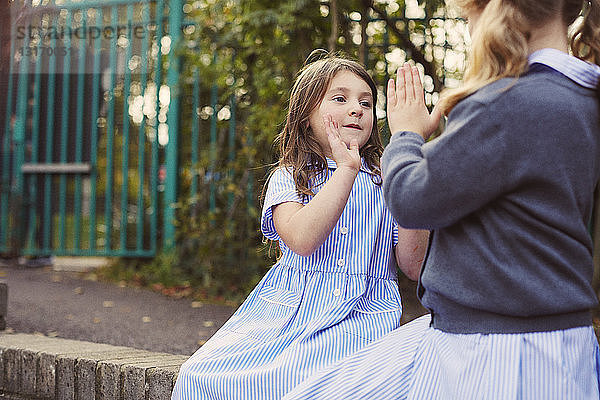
column 350, row 102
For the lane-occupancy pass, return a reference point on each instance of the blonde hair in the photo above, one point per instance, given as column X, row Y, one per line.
column 298, row 147
column 585, row 42
column 499, row 49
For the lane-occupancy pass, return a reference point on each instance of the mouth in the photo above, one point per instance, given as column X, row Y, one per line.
column 353, row 126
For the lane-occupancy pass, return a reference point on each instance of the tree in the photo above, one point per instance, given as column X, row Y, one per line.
column 249, row 51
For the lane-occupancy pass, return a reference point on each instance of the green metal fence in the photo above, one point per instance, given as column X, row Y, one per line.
column 85, row 138
column 91, row 124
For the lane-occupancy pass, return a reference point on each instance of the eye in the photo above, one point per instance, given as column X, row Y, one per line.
column 365, row 103
column 339, row 99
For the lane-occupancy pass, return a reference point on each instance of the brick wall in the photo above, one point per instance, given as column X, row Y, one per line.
column 36, row 367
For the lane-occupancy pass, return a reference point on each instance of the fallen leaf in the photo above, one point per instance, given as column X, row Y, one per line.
column 158, row 286
column 184, row 292
column 52, row 334
column 197, row 304
column 138, row 280
column 201, row 342
column 96, row 320
column 78, row 290
column 146, row 319
column 69, row 317
column 177, row 292
column 108, row 304
column 208, row 324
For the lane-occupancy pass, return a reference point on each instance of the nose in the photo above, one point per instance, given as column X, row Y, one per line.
column 355, row 110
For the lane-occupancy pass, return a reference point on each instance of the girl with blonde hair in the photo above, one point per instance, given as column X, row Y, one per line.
column 507, row 192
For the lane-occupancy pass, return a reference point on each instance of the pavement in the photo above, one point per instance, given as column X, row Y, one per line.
column 75, row 305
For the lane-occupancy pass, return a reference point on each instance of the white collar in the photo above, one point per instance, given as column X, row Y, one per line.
column 582, row 72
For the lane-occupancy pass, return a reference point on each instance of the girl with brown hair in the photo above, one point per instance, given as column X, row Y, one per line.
column 507, row 192
column 333, row 289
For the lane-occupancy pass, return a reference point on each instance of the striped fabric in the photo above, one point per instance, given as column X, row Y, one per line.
column 370, row 252
column 307, row 312
column 419, row 362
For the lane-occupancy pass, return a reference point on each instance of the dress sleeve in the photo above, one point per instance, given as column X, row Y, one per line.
column 281, row 189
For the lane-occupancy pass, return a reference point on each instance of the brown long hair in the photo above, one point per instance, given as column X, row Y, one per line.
column 499, row 47
column 298, row 148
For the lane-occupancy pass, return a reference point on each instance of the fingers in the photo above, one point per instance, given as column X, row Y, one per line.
column 408, row 86
column 354, row 145
column 330, row 125
column 331, row 128
column 341, row 152
column 408, row 82
column 334, row 137
column 400, row 86
column 391, row 93
column 417, row 85
column 406, row 109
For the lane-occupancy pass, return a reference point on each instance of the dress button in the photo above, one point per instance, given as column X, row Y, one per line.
column 344, row 230
column 336, row 292
column 340, row 262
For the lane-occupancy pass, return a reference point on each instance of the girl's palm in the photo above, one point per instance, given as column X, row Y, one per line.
column 406, row 110
column 342, row 154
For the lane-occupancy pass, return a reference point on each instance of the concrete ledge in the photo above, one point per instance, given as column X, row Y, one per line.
column 78, row 264
column 36, row 367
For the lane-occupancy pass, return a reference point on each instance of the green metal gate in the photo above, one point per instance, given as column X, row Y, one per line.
column 90, row 118
column 86, row 150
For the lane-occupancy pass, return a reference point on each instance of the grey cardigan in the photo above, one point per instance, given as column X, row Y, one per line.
column 507, row 190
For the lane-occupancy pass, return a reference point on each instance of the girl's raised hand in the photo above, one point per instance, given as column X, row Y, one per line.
column 406, row 110
column 342, row 154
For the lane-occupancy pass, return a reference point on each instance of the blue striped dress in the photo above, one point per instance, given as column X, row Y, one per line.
column 417, row 362
column 420, row 362
column 307, row 312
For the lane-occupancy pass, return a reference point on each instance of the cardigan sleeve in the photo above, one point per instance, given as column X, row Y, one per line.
column 432, row 185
